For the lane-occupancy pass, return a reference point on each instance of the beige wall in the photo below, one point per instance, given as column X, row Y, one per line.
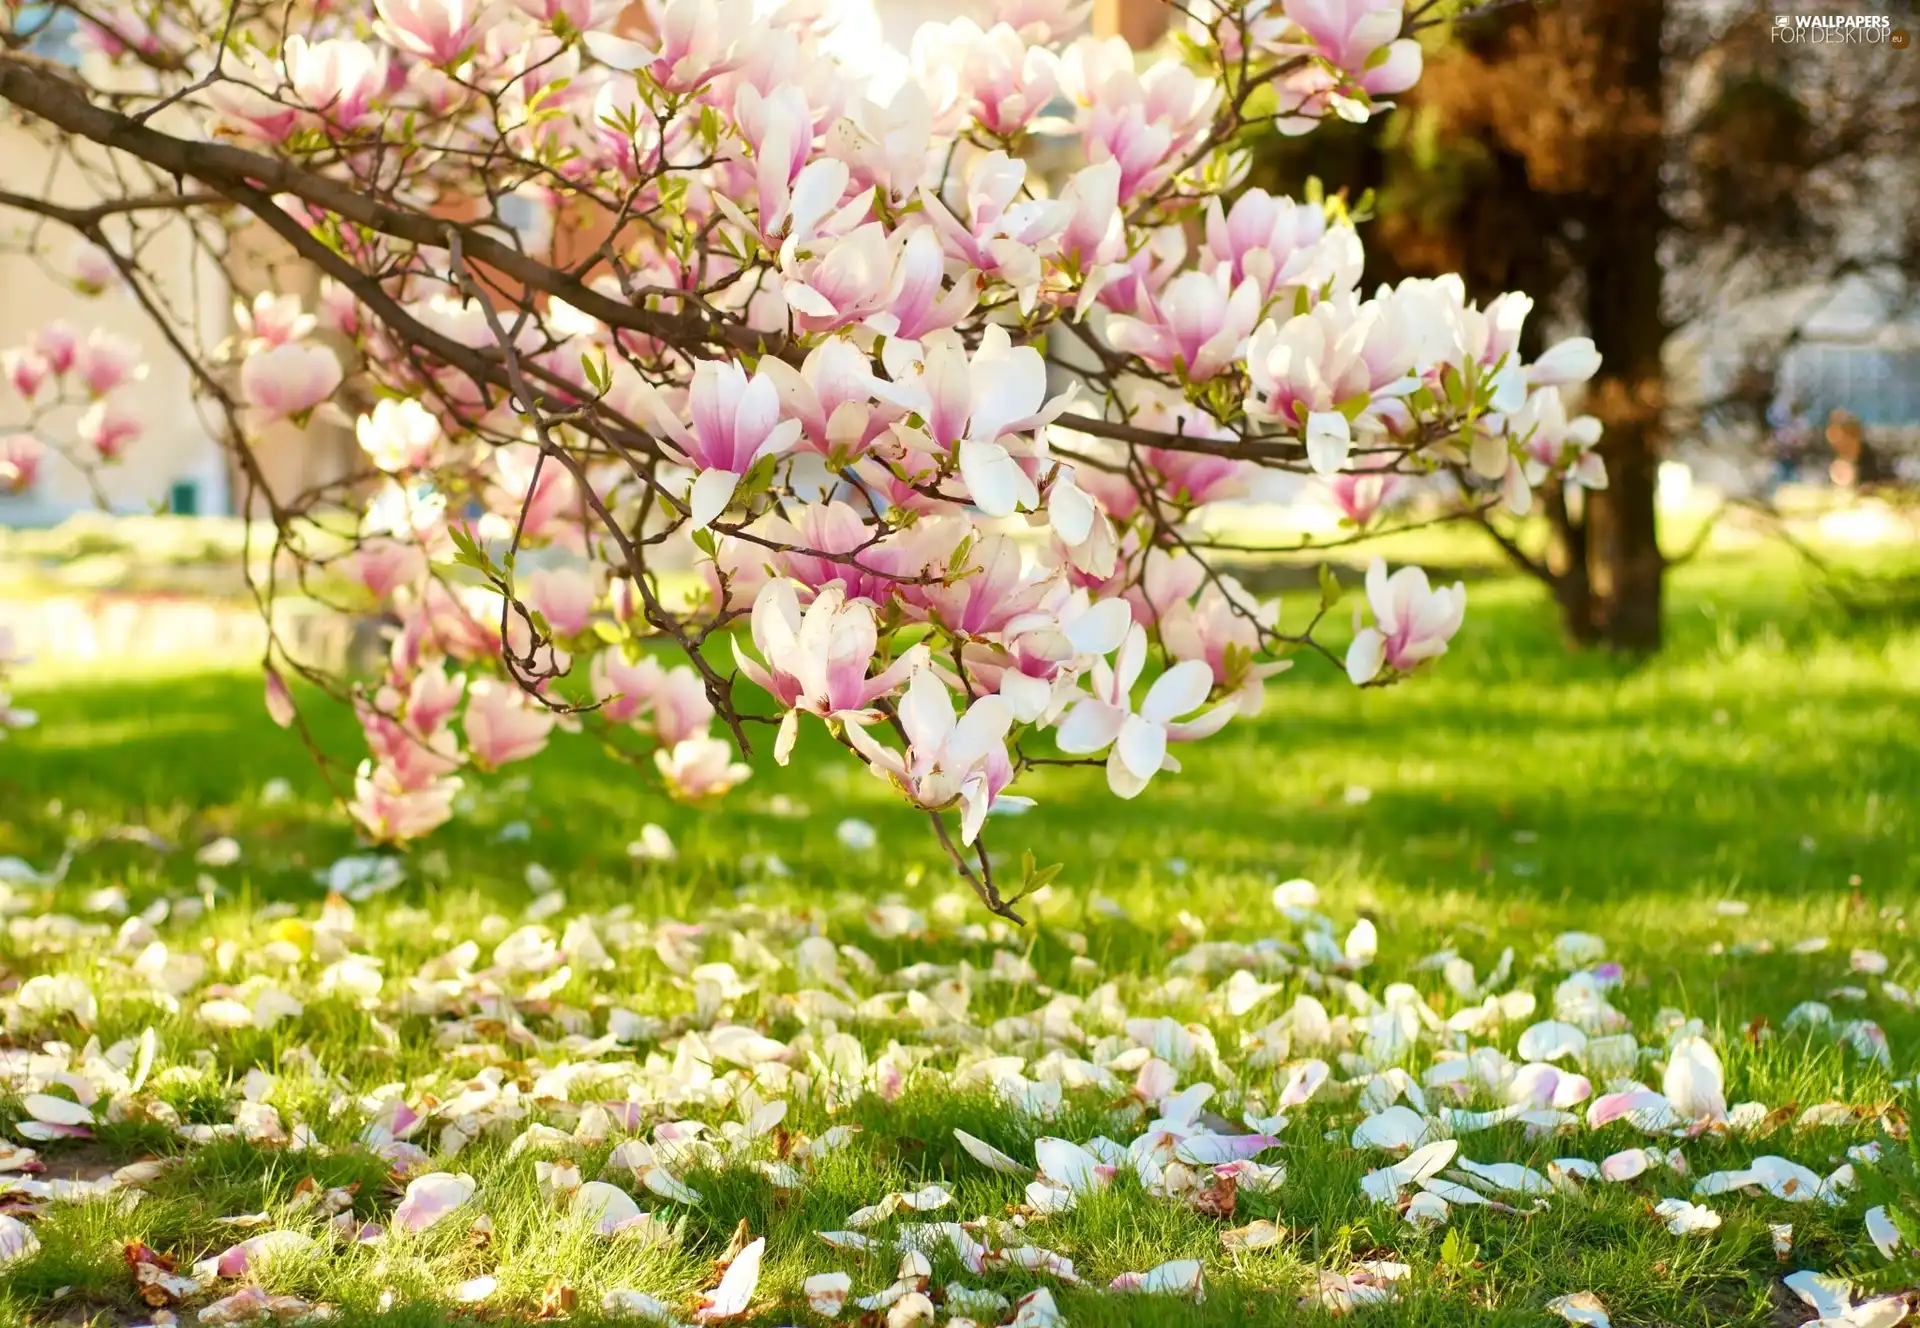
column 176, row 444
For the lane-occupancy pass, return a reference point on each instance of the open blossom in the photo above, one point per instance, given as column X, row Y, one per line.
column 1222, row 628
column 970, row 403
column 107, row 426
column 736, row 421
column 1197, row 326
column 289, row 380
column 435, row 30
column 1412, row 622
column 104, row 361
column 947, row 759
column 1325, row 369
column 816, row 662
column 337, row 78
column 1277, row 243
column 671, row 703
column 564, row 596
column 398, row 435
column 1357, row 41
column 391, row 813
column 696, row 769
column 1106, row 718
column 1010, row 82
column 26, row 370
column 271, row 320
column 1574, row 360
column 844, row 280
column 504, row 724
column 1363, row 491
column 1146, row 122
column 988, row 221
column 20, row 456
column 695, row 45
column 830, row 396
column 1551, row 442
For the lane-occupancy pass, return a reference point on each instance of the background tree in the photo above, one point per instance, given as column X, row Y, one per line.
column 1637, row 165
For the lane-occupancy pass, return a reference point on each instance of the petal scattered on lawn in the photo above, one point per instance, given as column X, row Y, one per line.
column 430, row 1198
column 735, row 1292
column 1686, row 1219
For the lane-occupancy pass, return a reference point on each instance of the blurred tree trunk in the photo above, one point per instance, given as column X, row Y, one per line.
column 1624, row 315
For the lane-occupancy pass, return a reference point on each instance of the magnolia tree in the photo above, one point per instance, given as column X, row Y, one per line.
column 667, row 323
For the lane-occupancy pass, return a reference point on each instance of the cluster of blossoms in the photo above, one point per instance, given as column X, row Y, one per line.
column 63, row 374
column 931, row 423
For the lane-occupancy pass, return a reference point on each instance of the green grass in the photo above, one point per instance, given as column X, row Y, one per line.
column 1771, row 756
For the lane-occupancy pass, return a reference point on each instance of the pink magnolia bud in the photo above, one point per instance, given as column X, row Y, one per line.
column 280, row 708
column 92, row 267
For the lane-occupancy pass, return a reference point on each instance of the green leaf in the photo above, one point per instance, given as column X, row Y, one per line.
column 1330, row 591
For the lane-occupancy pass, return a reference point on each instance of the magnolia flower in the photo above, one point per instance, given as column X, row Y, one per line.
column 1323, row 370
column 816, row 662
column 1362, row 492
column 1006, row 230
column 436, row 30
column 736, row 422
column 503, row 725
column 20, row 456
column 399, row 435
column 92, row 267
column 1574, row 360
column 107, row 427
column 1412, row 622
column 288, row 381
column 947, row 760
column 1357, row 39
column 1550, row 442
column 970, row 403
column 700, row 768
column 1222, row 629
column 26, row 370
column 271, row 320
column 105, row 361
column 695, row 45
column 1145, row 122
column 565, row 597
column 1196, row 326
column 1139, row 739
column 337, row 77
column 390, row 812
column 1275, row 242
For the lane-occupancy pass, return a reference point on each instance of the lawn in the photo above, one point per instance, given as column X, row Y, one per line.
column 1733, row 820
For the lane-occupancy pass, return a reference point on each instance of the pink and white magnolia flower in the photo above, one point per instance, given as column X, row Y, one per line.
column 696, row 43
column 92, row 267
column 336, row 77
column 1197, row 326
column 947, row 759
column 439, row 31
column 1357, row 41
column 1105, row 718
column 1147, row 123
column 844, row 279
column 1564, row 363
column 271, row 320
column 1042, row 20
column 564, row 596
column 288, row 381
column 1277, row 244
column 392, row 813
column 736, row 422
column 504, row 724
column 1326, row 369
column 697, row 769
column 1363, row 491
column 816, row 661
column 831, row 396
column 104, row 361
column 20, row 457
column 27, row 371
column 971, row 403
column 57, row 343
column 1412, row 622
column 1223, row 629
column 1551, row 443
column 671, row 703
column 398, row 435
column 1003, row 235
column 107, row 427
